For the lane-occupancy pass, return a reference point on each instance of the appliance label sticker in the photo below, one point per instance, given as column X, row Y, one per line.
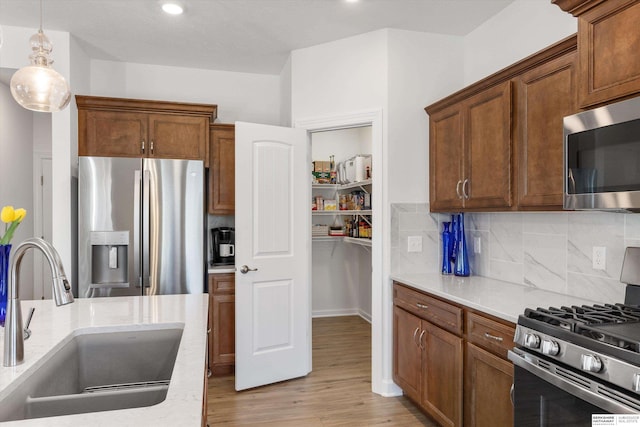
column 626, row 420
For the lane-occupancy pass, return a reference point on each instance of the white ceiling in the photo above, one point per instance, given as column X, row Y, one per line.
column 253, row 36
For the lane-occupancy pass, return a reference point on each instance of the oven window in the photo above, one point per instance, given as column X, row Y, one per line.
column 605, row 159
column 538, row 403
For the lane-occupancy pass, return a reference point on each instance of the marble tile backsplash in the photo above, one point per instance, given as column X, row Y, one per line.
column 546, row 250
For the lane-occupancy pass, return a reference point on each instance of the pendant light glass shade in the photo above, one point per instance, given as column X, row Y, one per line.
column 38, row 87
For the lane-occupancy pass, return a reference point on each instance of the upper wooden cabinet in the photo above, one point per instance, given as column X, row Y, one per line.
column 222, row 170
column 608, row 42
column 112, row 127
column 545, row 95
column 497, row 144
column 470, row 152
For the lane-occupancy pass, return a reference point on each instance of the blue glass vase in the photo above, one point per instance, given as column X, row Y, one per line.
column 5, row 250
column 446, row 249
column 461, row 266
column 453, row 250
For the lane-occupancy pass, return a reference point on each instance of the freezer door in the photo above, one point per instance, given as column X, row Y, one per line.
column 173, row 227
column 109, row 191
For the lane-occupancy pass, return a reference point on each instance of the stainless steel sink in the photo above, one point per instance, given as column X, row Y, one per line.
column 96, row 370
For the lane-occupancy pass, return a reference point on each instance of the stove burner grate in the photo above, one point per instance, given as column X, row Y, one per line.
column 614, row 324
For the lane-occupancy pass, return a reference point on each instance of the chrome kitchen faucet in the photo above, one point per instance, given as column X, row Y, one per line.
column 13, row 333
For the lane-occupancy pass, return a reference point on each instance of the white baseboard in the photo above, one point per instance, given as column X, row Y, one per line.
column 390, row 389
column 342, row 312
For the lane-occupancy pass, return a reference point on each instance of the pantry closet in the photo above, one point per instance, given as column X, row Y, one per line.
column 341, row 266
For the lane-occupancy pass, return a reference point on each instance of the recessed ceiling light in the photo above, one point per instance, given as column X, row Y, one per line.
column 352, row 1
column 172, row 8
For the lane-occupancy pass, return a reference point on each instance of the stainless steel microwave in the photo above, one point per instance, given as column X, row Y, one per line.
column 602, row 158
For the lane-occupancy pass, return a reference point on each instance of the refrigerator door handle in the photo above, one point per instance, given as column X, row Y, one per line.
column 146, row 179
column 137, row 195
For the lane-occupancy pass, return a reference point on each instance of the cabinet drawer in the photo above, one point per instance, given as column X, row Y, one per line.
column 440, row 313
column 222, row 283
column 489, row 334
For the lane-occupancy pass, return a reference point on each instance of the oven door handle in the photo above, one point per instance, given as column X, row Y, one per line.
column 527, row 362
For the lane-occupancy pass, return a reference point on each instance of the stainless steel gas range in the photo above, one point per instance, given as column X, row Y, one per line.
column 573, row 362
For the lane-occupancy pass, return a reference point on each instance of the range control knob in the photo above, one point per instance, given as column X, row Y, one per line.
column 590, row 363
column 532, row 341
column 636, row 383
column 550, row 348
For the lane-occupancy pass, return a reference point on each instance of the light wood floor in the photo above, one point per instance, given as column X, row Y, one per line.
column 336, row 393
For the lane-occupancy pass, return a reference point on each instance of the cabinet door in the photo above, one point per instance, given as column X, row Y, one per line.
column 545, row 95
column 407, row 355
column 223, row 311
column 111, row 134
column 488, row 149
column 608, row 40
column 178, row 137
column 222, row 170
column 445, row 159
column 488, row 381
column 442, row 375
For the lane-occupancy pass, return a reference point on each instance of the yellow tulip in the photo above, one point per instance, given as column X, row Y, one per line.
column 20, row 214
column 8, row 214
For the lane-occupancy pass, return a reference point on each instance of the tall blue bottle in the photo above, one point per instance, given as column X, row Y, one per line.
column 453, row 249
column 461, row 267
column 446, row 249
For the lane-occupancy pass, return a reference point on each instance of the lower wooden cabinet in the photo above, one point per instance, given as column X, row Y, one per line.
column 456, row 372
column 222, row 308
column 427, row 361
column 487, row 386
column 442, row 375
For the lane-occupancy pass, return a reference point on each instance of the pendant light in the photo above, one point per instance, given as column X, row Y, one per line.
column 38, row 87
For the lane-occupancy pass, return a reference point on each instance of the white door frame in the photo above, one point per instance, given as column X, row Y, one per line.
column 381, row 308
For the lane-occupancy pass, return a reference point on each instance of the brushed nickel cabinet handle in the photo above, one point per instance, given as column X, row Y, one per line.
column 151, row 146
column 142, row 146
column 493, row 337
column 422, row 306
column 414, row 336
column 466, row 188
column 420, row 339
column 458, row 189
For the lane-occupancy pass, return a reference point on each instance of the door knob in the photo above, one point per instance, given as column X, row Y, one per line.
column 245, row 269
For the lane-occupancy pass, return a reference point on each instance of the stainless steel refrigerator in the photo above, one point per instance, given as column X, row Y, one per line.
column 141, row 226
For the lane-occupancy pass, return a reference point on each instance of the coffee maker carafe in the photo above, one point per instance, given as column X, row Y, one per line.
column 223, row 246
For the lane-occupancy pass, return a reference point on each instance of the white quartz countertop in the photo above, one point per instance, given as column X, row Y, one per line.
column 501, row 299
column 51, row 324
column 222, row 269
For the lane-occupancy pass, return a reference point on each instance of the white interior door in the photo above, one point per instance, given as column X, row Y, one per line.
column 42, row 227
column 273, row 239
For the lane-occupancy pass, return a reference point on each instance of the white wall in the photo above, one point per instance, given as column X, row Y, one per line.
column 239, row 96
column 14, row 54
column 422, row 69
column 519, row 30
column 16, row 173
column 343, row 76
column 285, row 94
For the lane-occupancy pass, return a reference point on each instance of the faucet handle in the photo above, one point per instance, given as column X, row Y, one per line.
column 27, row 331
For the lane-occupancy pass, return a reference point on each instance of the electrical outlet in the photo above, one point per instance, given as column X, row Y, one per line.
column 599, row 258
column 414, row 244
column 477, row 245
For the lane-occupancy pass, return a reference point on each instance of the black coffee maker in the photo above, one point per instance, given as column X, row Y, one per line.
column 223, row 246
